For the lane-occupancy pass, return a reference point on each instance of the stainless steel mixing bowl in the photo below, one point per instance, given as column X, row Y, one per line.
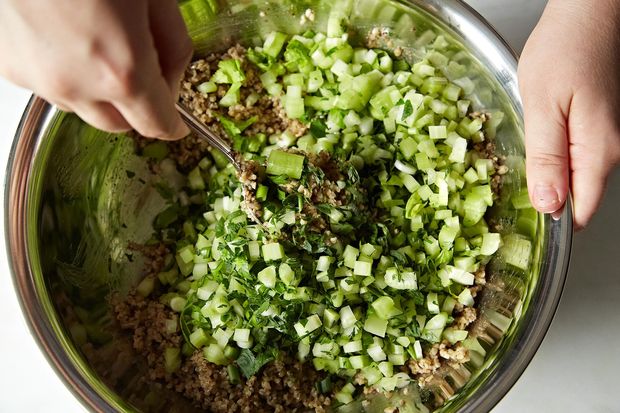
column 72, row 209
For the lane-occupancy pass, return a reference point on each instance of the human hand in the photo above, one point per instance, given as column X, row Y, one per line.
column 115, row 63
column 570, row 87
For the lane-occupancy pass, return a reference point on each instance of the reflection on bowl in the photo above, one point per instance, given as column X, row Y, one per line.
column 73, row 210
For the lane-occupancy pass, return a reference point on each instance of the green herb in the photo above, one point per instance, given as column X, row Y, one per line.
column 317, row 129
column 235, row 128
column 167, row 217
column 407, row 110
column 373, row 222
column 250, row 364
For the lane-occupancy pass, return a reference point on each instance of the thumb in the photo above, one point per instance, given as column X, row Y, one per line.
column 547, row 155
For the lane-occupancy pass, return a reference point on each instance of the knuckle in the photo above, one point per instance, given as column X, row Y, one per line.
column 110, row 124
column 62, row 106
column 59, row 87
column 152, row 129
column 163, row 131
column 118, row 128
column 122, row 80
column 121, row 75
column 96, row 120
column 546, row 160
column 152, row 132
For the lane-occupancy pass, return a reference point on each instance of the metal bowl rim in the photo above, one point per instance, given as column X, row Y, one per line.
column 35, row 121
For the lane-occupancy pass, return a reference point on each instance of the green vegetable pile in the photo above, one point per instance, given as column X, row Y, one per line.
column 371, row 293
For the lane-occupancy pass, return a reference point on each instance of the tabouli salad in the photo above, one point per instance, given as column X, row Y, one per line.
column 372, row 245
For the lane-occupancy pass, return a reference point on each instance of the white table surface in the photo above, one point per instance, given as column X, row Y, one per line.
column 575, row 369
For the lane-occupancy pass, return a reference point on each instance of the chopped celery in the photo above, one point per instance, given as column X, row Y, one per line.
column 267, row 276
column 273, row 251
column 385, row 308
column 517, row 251
column 231, row 97
column 353, row 290
column 274, row 43
column 229, row 71
column 207, row 87
column 285, row 163
column 490, row 243
column 172, row 359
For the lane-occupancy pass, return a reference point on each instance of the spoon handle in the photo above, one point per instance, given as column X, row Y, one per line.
column 204, row 132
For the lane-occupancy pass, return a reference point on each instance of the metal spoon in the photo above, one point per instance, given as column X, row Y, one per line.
column 204, row 132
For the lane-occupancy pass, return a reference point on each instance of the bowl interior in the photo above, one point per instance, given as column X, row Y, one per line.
column 88, row 197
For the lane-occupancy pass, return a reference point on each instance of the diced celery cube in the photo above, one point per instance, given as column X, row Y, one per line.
column 207, row 87
column 397, row 359
column 516, row 251
column 347, row 318
column 241, row 334
column 215, row 354
column 344, row 398
column 490, row 243
column 432, row 303
column 359, row 362
column 273, row 251
column 172, row 359
column 454, row 336
column 293, row 102
column 466, row 298
column 353, row 346
column 385, row 308
column 267, row 276
column 313, row 323
column 177, row 304
column 254, row 250
column 274, row 43
column 375, row 325
column 198, row 338
column 452, row 92
column 438, row 132
column 386, row 368
column 350, row 256
column 459, row 149
column 362, row 268
column 400, row 280
column 222, row 336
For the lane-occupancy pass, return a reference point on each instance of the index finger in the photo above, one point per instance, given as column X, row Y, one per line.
column 139, row 90
column 150, row 109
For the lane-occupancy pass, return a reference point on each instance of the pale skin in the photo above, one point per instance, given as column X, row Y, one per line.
column 118, row 64
column 570, row 87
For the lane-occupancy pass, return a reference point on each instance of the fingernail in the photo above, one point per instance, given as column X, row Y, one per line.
column 557, row 214
column 546, row 198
